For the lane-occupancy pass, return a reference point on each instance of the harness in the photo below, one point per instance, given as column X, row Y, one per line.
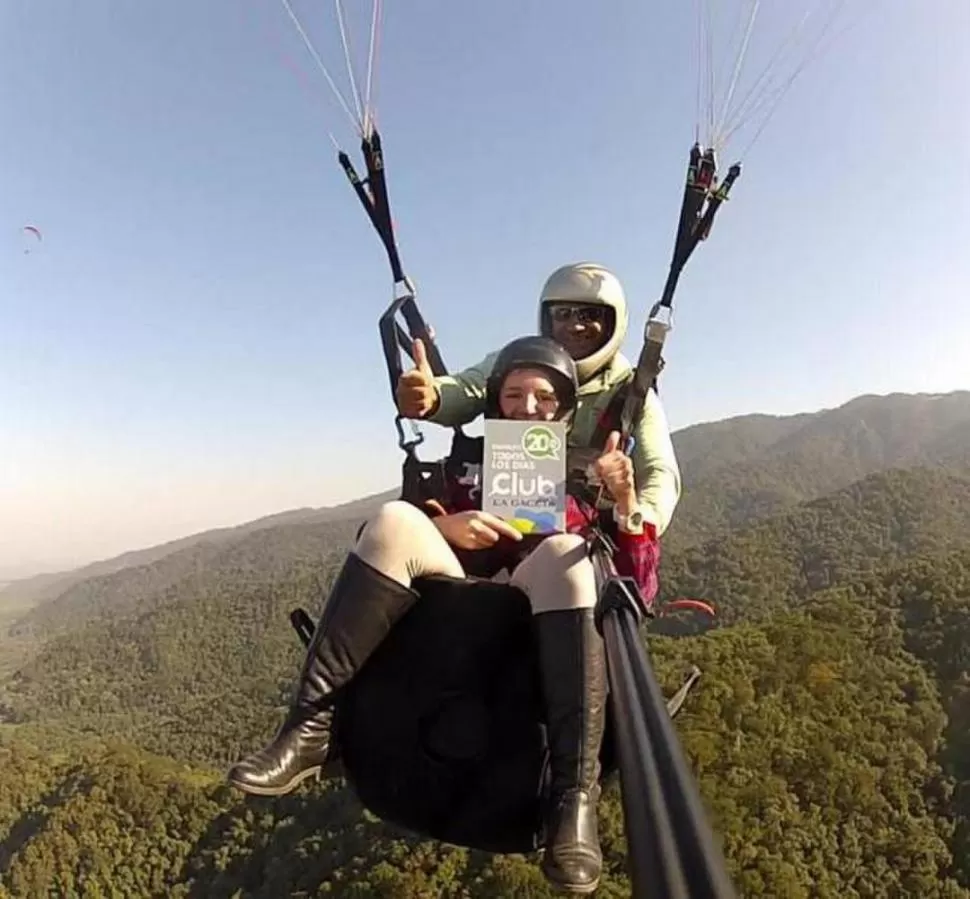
column 642, row 719
column 402, row 323
column 422, row 481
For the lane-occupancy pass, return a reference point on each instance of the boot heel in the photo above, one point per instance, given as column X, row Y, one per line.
column 363, row 606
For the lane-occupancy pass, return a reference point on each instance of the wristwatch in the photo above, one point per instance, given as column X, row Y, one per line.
column 632, row 523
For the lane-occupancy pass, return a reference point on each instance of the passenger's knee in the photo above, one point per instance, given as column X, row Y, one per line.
column 565, row 549
column 394, row 516
column 558, row 574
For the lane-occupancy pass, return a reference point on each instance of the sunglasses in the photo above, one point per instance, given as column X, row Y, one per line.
column 583, row 314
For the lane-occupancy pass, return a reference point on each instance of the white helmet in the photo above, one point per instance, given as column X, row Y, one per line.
column 592, row 284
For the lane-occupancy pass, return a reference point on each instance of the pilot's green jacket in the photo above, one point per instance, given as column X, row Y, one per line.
column 654, row 463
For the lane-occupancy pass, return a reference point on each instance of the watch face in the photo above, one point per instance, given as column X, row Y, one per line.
column 634, row 520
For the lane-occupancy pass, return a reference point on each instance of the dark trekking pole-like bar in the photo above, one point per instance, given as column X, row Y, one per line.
column 672, row 850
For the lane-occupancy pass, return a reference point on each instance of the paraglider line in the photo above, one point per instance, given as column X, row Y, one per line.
column 739, row 62
column 371, row 66
column 320, row 65
column 350, row 67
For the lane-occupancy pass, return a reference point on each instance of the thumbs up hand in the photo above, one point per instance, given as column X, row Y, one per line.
column 615, row 471
column 416, row 394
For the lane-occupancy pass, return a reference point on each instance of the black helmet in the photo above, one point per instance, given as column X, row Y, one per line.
column 533, row 352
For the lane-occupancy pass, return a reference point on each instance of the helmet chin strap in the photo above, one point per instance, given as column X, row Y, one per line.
column 605, row 363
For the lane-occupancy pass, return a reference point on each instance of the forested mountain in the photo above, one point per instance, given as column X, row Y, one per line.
column 765, row 567
column 743, row 469
column 42, row 587
column 259, row 557
column 829, row 731
column 829, row 743
column 153, row 665
column 873, row 432
column 735, row 471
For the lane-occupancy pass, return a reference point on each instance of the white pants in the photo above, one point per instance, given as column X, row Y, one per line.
column 401, row 542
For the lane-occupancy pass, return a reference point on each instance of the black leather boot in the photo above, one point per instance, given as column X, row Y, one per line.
column 573, row 665
column 364, row 605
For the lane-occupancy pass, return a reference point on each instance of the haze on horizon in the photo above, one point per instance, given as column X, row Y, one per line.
column 169, row 355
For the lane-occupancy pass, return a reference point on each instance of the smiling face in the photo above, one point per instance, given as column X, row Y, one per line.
column 580, row 328
column 528, row 394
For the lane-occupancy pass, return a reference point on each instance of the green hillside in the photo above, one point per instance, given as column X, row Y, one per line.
column 743, row 469
column 821, row 741
column 735, row 471
column 829, row 732
column 760, row 569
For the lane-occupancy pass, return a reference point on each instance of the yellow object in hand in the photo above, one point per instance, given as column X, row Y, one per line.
column 523, row 525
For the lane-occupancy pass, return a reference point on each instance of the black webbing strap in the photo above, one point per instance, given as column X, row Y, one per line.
column 701, row 201
column 395, row 337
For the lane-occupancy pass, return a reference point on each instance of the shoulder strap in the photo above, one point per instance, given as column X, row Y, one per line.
column 610, row 417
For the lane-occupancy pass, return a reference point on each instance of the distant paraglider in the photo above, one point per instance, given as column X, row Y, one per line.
column 684, row 603
column 29, row 241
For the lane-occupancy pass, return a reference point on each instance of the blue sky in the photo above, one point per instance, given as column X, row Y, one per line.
column 194, row 343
